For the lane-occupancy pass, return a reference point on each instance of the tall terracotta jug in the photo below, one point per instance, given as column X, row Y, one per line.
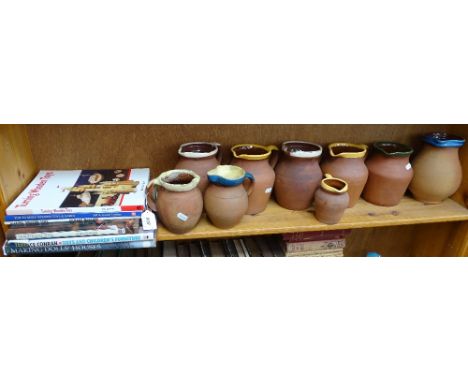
column 199, row 157
column 437, row 168
column 390, row 173
column 226, row 199
column 260, row 162
column 298, row 174
column 177, row 199
column 331, row 200
column 347, row 162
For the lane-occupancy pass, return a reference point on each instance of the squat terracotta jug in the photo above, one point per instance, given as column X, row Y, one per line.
column 331, row 200
column 226, row 199
column 260, row 162
column 298, row 174
column 177, row 199
column 347, row 162
column 199, row 157
column 390, row 173
column 437, row 168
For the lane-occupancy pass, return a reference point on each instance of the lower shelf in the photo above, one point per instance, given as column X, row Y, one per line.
column 276, row 219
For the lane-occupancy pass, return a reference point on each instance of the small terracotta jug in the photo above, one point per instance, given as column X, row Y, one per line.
column 347, row 162
column 177, row 199
column 331, row 200
column 260, row 162
column 226, row 200
column 298, row 174
column 199, row 157
column 437, row 168
column 390, row 173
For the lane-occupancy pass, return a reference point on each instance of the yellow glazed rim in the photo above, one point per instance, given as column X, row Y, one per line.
column 326, row 187
column 269, row 149
column 359, row 154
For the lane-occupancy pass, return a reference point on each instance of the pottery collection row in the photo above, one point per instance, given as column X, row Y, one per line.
column 228, row 192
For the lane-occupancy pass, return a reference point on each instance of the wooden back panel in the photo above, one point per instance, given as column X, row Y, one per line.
column 155, row 146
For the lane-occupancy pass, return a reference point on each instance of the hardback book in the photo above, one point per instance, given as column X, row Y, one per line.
column 67, row 241
column 252, row 247
column 105, row 247
column 96, row 228
column 169, row 249
column 83, row 191
column 239, row 249
column 263, row 246
column 216, row 248
column 244, row 247
column 313, row 245
column 317, row 253
column 182, row 249
column 194, row 249
column 204, row 248
column 13, row 221
column 229, row 248
column 315, row 235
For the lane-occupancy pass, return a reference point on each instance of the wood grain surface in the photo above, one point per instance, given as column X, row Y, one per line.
column 276, row 219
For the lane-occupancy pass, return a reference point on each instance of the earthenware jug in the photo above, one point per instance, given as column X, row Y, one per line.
column 347, row 162
column 260, row 162
column 177, row 199
column 199, row 157
column 331, row 200
column 298, row 174
column 226, row 199
column 390, row 173
column 437, row 168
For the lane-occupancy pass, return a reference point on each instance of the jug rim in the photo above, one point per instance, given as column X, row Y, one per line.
column 302, row 153
column 228, row 175
column 188, row 154
column 268, row 150
column 361, row 153
column 327, row 187
column 442, row 139
column 163, row 182
column 398, row 149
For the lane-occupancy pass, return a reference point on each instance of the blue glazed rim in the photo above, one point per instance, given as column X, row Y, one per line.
column 220, row 180
column 440, row 139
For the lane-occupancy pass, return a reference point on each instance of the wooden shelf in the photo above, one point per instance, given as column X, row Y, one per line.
column 276, row 219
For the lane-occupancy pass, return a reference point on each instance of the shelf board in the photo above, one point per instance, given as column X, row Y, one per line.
column 276, row 219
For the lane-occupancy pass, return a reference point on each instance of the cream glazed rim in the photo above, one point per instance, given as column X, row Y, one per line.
column 161, row 180
column 303, row 154
column 188, row 154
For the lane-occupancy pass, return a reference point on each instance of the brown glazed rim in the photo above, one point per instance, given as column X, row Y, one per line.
column 212, row 149
column 393, row 149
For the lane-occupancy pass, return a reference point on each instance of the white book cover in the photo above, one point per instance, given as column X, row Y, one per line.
column 83, row 191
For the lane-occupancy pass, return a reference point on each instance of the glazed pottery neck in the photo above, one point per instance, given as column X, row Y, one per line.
column 177, row 180
column 301, row 149
column 443, row 151
column 252, row 152
column 347, row 150
column 334, row 185
column 198, row 150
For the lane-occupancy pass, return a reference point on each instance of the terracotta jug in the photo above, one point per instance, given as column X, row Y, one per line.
column 226, row 200
column 437, row 168
column 177, row 199
column 199, row 157
column 347, row 162
column 298, row 174
column 390, row 173
column 260, row 162
column 331, row 200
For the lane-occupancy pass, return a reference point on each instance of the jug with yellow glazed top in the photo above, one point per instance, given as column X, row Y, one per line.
column 260, row 161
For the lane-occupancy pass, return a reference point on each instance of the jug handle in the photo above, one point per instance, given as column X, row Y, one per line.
column 274, row 155
column 151, row 198
column 251, row 178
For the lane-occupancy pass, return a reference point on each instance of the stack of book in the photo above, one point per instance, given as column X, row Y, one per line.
column 79, row 211
column 318, row 243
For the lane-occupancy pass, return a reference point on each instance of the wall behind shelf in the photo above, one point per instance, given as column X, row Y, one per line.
column 155, row 146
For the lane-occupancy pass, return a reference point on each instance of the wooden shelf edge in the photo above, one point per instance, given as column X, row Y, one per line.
column 277, row 220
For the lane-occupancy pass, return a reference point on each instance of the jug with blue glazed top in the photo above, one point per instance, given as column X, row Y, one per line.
column 437, row 168
column 226, row 199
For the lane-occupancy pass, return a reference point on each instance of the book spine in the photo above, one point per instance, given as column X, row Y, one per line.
column 316, row 235
column 9, row 250
column 69, row 216
column 111, row 230
column 82, row 240
column 315, row 245
column 47, row 222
